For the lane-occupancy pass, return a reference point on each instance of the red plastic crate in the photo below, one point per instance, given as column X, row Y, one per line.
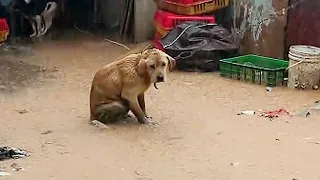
column 156, row 42
column 3, row 25
column 192, row 7
column 4, row 30
column 166, row 21
column 187, row 2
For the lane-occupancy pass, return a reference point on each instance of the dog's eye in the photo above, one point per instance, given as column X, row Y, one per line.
column 152, row 66
column 163, row 64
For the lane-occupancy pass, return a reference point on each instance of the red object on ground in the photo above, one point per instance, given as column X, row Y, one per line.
column 156, row 42
column 166, row 21
column 276, row 113
column 4, row 29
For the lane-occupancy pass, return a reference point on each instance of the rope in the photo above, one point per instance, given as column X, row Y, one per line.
column 306, row 60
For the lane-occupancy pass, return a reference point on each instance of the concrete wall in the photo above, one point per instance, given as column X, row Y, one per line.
column 259, row 34
column 143, row 24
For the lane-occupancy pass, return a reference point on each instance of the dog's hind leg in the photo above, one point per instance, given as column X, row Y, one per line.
column 111, row 112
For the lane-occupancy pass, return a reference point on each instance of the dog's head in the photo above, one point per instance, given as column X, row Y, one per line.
column 154, row 64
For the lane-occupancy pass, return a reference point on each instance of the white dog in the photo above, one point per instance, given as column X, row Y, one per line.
column 42, row 23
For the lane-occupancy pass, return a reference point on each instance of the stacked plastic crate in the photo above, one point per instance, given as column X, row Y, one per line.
column 173, row 12
column 4, row 30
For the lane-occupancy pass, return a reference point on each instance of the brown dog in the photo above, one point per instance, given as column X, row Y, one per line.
column 120, row 86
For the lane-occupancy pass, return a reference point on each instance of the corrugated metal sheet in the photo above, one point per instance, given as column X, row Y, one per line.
column 304, row 24
column 261, row 36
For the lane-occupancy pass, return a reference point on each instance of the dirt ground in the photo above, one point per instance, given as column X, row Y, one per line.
column 44, row 110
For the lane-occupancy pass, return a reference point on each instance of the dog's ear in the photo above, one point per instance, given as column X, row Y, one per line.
column 142, row 67
column 171, row 63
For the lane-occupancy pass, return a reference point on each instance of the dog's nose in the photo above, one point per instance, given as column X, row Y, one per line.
column 160, row 78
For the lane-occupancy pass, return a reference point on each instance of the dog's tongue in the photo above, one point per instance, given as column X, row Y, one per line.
column 155, row 85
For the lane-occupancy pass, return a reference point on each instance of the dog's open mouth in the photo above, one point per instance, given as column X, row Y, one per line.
column 155, row 85
column 159, row 80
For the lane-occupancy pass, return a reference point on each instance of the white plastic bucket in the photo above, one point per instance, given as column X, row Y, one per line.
column 304, row 66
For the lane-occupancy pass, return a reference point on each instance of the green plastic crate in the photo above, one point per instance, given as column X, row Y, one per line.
column 256, row 69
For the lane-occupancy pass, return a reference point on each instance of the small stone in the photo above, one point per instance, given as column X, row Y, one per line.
column 269, row 89
column 315, row 87
column 46, row 132
column 235, row 164
column 308, row 114
column 3, row 88
column 4, row 174
column 247, row 113
column 22, row 111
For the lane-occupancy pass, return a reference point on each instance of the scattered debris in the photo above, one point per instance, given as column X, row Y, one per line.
column 269, row 89
column 275, row 113
column 4, row 173
column 16, row 167
column 315, row 87
column 22, row 111
column 316, row 106
column 219, row 133
column 99, row 125
column 175, row 138
column 307, row 111
column 12, row 153
column 307, row 138
column 303, row 86
column 188, row 83
column 247, row 113
column 46, row 132
column 308, row 114
column 235, row 164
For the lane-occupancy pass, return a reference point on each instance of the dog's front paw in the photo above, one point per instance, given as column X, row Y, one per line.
column 145, row 120
column 149, row 121
column 149, row 117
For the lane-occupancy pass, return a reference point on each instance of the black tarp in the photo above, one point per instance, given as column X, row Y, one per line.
column 198, row 46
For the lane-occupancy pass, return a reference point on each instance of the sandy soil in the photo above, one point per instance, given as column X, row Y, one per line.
column 199, row 136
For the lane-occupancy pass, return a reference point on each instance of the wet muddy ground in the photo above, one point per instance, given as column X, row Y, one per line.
column 44, row 109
